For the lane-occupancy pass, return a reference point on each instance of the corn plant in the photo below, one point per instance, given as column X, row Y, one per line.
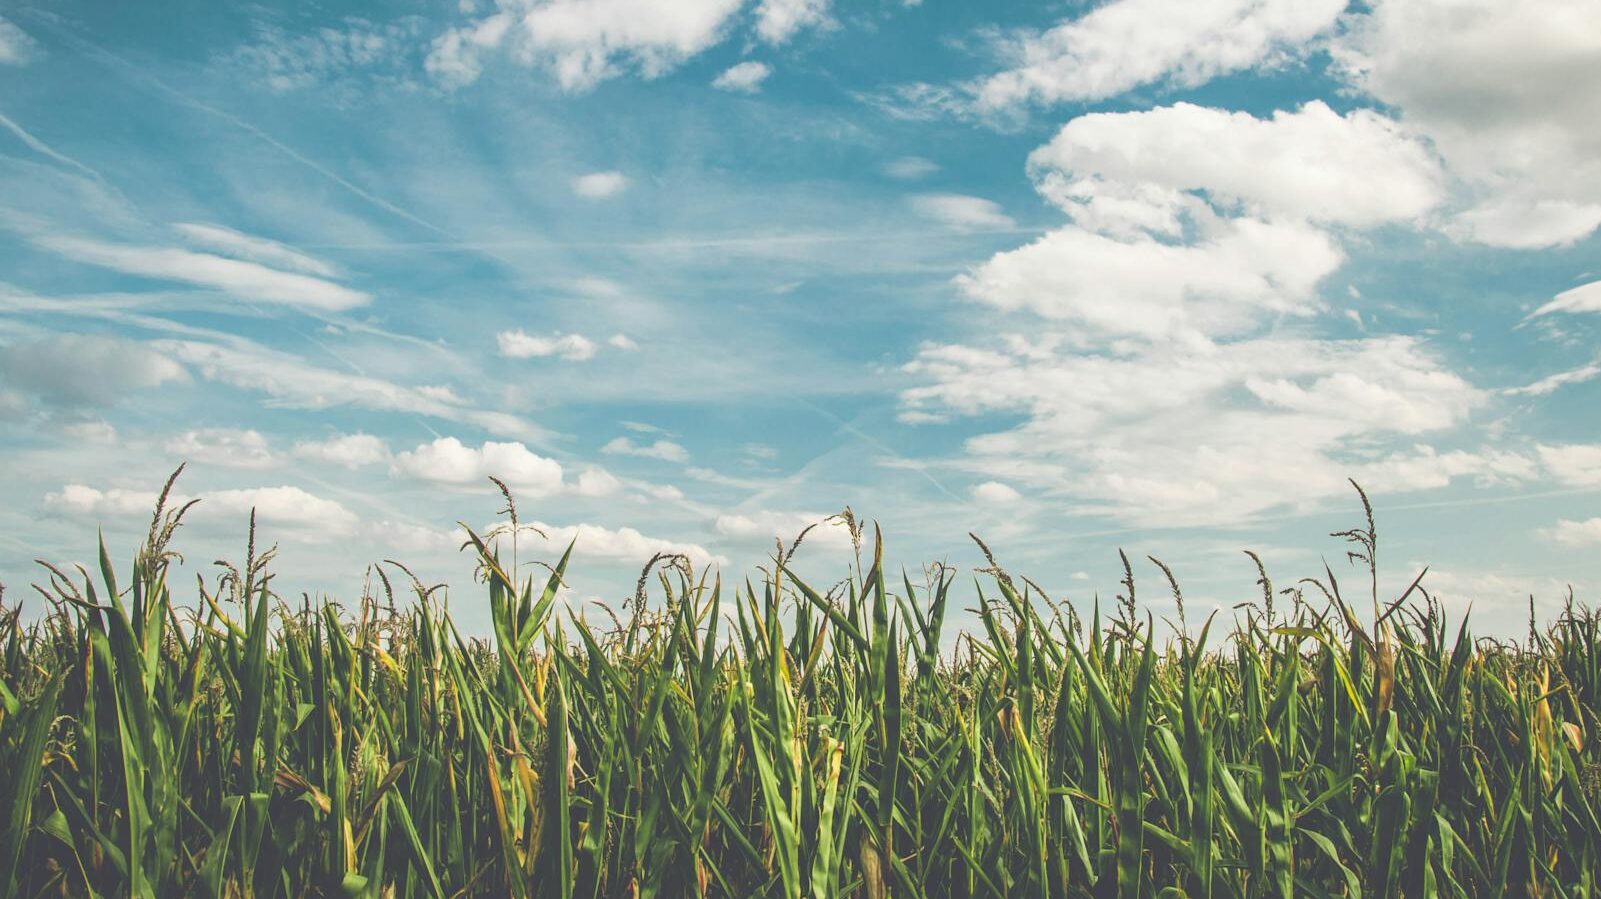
column 769, row 737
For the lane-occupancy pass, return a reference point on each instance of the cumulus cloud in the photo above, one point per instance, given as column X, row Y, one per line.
column 622, row 342
column 241, row 278
column 961, row 211
column 743, row 78
column 91, row 502
column 583, row 42
column 1574, row 464
column 297, row 514
column 449, row 461
column 779, row 20
column 1188, row 220
column 1575, row 533
column 995, row 493
column 665, row 450
column 1494, row 89
column 1149, row 392
column 595, row 482
column 600, row 185
column 764, row 526
column 1125, row 44
column 344, row 450
column 519, row 344
column 1205, row 432
column 224, row 447
column 616, row 544
column 1153, row 288
column 85, row 369
column 1144, row 169
column 301, row 516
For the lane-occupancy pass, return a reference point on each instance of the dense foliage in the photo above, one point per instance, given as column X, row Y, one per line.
column 773, row 740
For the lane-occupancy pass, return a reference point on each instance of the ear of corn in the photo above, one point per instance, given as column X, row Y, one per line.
column 810, row 744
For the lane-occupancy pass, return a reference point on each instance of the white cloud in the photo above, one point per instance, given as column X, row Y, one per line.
column 760, row 451
column 995, row 493
column 960, row 211
column 583, row 42
column 1575, row 533
column 1526, row 224
column 1491, row 593
column 405, row 538
column 345, row 450
column 247, row 280
column 1574, row 464
column 622, row 342
column 599, row 185
column 1192, row 220
column 1552, row 383
column 85, row 369
column 910, row 168
column 1312, row 164
column 1152, row 288
column 1124, row 44
column 620, row 544
column 224, row 447
column 764, row 526
column 449, row 461
column 521, row 345
column 779, row 20
column 665, row 450
column 300, row 516
column 90, row 502
column 743, row 78
column 457, row 56
column 16, row 48
column 1202, row 432
column 94, row 431
column 325, row 57
column 1497, row 91
column 595, row 481
column 255, row 249
column 1584, row 298
column 290, row 380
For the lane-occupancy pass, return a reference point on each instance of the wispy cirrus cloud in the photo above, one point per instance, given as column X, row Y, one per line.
column 286, row 379
column 237, row 277
column 16, row 47
column 962, row 211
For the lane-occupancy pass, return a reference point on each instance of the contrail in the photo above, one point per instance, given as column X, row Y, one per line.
column 89, row 48
column 44, row 149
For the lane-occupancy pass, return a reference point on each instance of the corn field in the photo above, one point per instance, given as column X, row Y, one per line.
column 776, row 738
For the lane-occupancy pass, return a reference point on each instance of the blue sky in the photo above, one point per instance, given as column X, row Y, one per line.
column 1146, row 274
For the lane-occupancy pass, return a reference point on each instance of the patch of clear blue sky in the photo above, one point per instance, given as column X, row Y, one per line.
column 775, row 277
